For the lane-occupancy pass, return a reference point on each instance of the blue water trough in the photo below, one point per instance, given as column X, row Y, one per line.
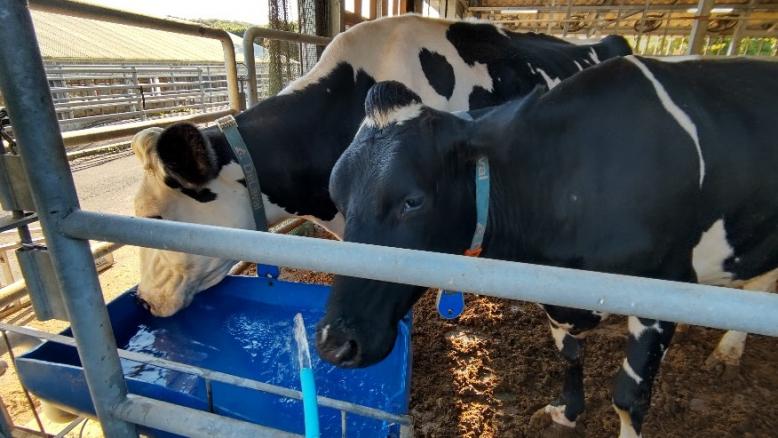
column 242, row 326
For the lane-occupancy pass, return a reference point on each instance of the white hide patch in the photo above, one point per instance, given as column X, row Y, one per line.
column 636, row 328
column 170, row 279
column 325, row 332
column 709, row 255
column 593, row 56
column 557, row 414
column 558, row 334
column 627, row 430
column 579, row 66
column 388, row 49
column 550, row 82
column 398, row 115
column 683, row 119
column 730, row 348
column 630, row 372
column 675, row 59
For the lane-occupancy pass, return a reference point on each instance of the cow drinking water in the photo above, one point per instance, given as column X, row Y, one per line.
column 636, row 167
column 295, row 138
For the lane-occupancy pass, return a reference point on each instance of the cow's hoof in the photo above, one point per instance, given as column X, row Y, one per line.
column 726, row 370
column 681, row 333
column 542, row 425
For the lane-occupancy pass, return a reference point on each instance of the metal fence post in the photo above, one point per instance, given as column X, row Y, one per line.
column 699, row 27
column 24, row 85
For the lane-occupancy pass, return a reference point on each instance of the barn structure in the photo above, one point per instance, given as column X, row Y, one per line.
column 103, row 73
column 663, row 27
column 102, row 64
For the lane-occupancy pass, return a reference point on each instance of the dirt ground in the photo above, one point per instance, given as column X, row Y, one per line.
column 486, row 373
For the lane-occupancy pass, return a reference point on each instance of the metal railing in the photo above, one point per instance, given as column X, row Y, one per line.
column 41, row 147
column 85, row 95
column 253, row 33
column 66, row 228
column 91, row 11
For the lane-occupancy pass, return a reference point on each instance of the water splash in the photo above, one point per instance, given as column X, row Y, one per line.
column 303, row 351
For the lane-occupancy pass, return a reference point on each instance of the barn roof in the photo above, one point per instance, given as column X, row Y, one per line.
column 66, row 38
column 629, row 17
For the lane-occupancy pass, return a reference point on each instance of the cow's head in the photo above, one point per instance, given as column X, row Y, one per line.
column 406, row 181
column 189, row 176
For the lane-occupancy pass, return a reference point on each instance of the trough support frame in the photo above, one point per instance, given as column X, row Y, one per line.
column 30, row 105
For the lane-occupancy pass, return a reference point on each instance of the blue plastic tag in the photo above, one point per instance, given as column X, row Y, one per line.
column 450, row 304
column 268, row 271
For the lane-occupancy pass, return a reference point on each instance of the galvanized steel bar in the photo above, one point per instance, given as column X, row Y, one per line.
column 254, row 32
column 26, row 92
column 92, row 135
column 95, row 12
column 190, row 422
column 699, row 27
column 753, row 312
column 18, row 289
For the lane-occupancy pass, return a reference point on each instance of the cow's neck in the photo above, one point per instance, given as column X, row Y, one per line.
column 295, row 139
column 520, row 211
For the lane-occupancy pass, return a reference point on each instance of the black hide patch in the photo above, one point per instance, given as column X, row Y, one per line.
column 439, row 73
column 186, row 154
column 200, row 195
column 294, row 139
column 385, row 96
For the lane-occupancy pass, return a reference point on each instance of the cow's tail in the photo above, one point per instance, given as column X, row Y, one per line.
column 613, row 46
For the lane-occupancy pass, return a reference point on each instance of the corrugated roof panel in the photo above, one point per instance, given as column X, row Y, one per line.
column 64, row 37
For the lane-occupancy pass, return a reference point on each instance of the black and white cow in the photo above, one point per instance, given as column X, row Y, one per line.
column 296, row 137
column 636, row 167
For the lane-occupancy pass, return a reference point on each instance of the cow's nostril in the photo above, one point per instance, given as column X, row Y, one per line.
column 144, row 303
column 346, row 352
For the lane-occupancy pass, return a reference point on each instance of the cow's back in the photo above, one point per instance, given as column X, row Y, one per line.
column 733, row 106
column 697, row 142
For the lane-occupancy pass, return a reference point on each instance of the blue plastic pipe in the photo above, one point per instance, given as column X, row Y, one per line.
column 310, row 407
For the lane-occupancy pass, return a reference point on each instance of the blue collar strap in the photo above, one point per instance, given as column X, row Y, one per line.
column 229, row 127
column 452, row 304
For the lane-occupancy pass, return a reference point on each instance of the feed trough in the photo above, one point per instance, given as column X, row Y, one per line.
column 244, row 327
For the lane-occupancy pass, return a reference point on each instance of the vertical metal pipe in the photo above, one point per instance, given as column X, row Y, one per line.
column 566, row 25
column 664, row 36
column 761, row 46
column 550, row 22
column 23, row 83
column 336, row 16
column 232, row 72
column 737, row 34
column 699, row 27
column 249, row 59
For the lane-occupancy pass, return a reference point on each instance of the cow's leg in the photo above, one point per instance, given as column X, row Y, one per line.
column 646, row 347
column 731, row 346
column 568, row 327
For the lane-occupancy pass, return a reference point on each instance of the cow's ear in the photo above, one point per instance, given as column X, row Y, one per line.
column 491, row 132
column 144, row 145
column 186, row 155
column 390, row 102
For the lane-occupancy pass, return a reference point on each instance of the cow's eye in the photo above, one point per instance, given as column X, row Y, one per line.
column 413, row 203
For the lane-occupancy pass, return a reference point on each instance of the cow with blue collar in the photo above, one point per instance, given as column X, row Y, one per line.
column 294, row 138
column 635, row 167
